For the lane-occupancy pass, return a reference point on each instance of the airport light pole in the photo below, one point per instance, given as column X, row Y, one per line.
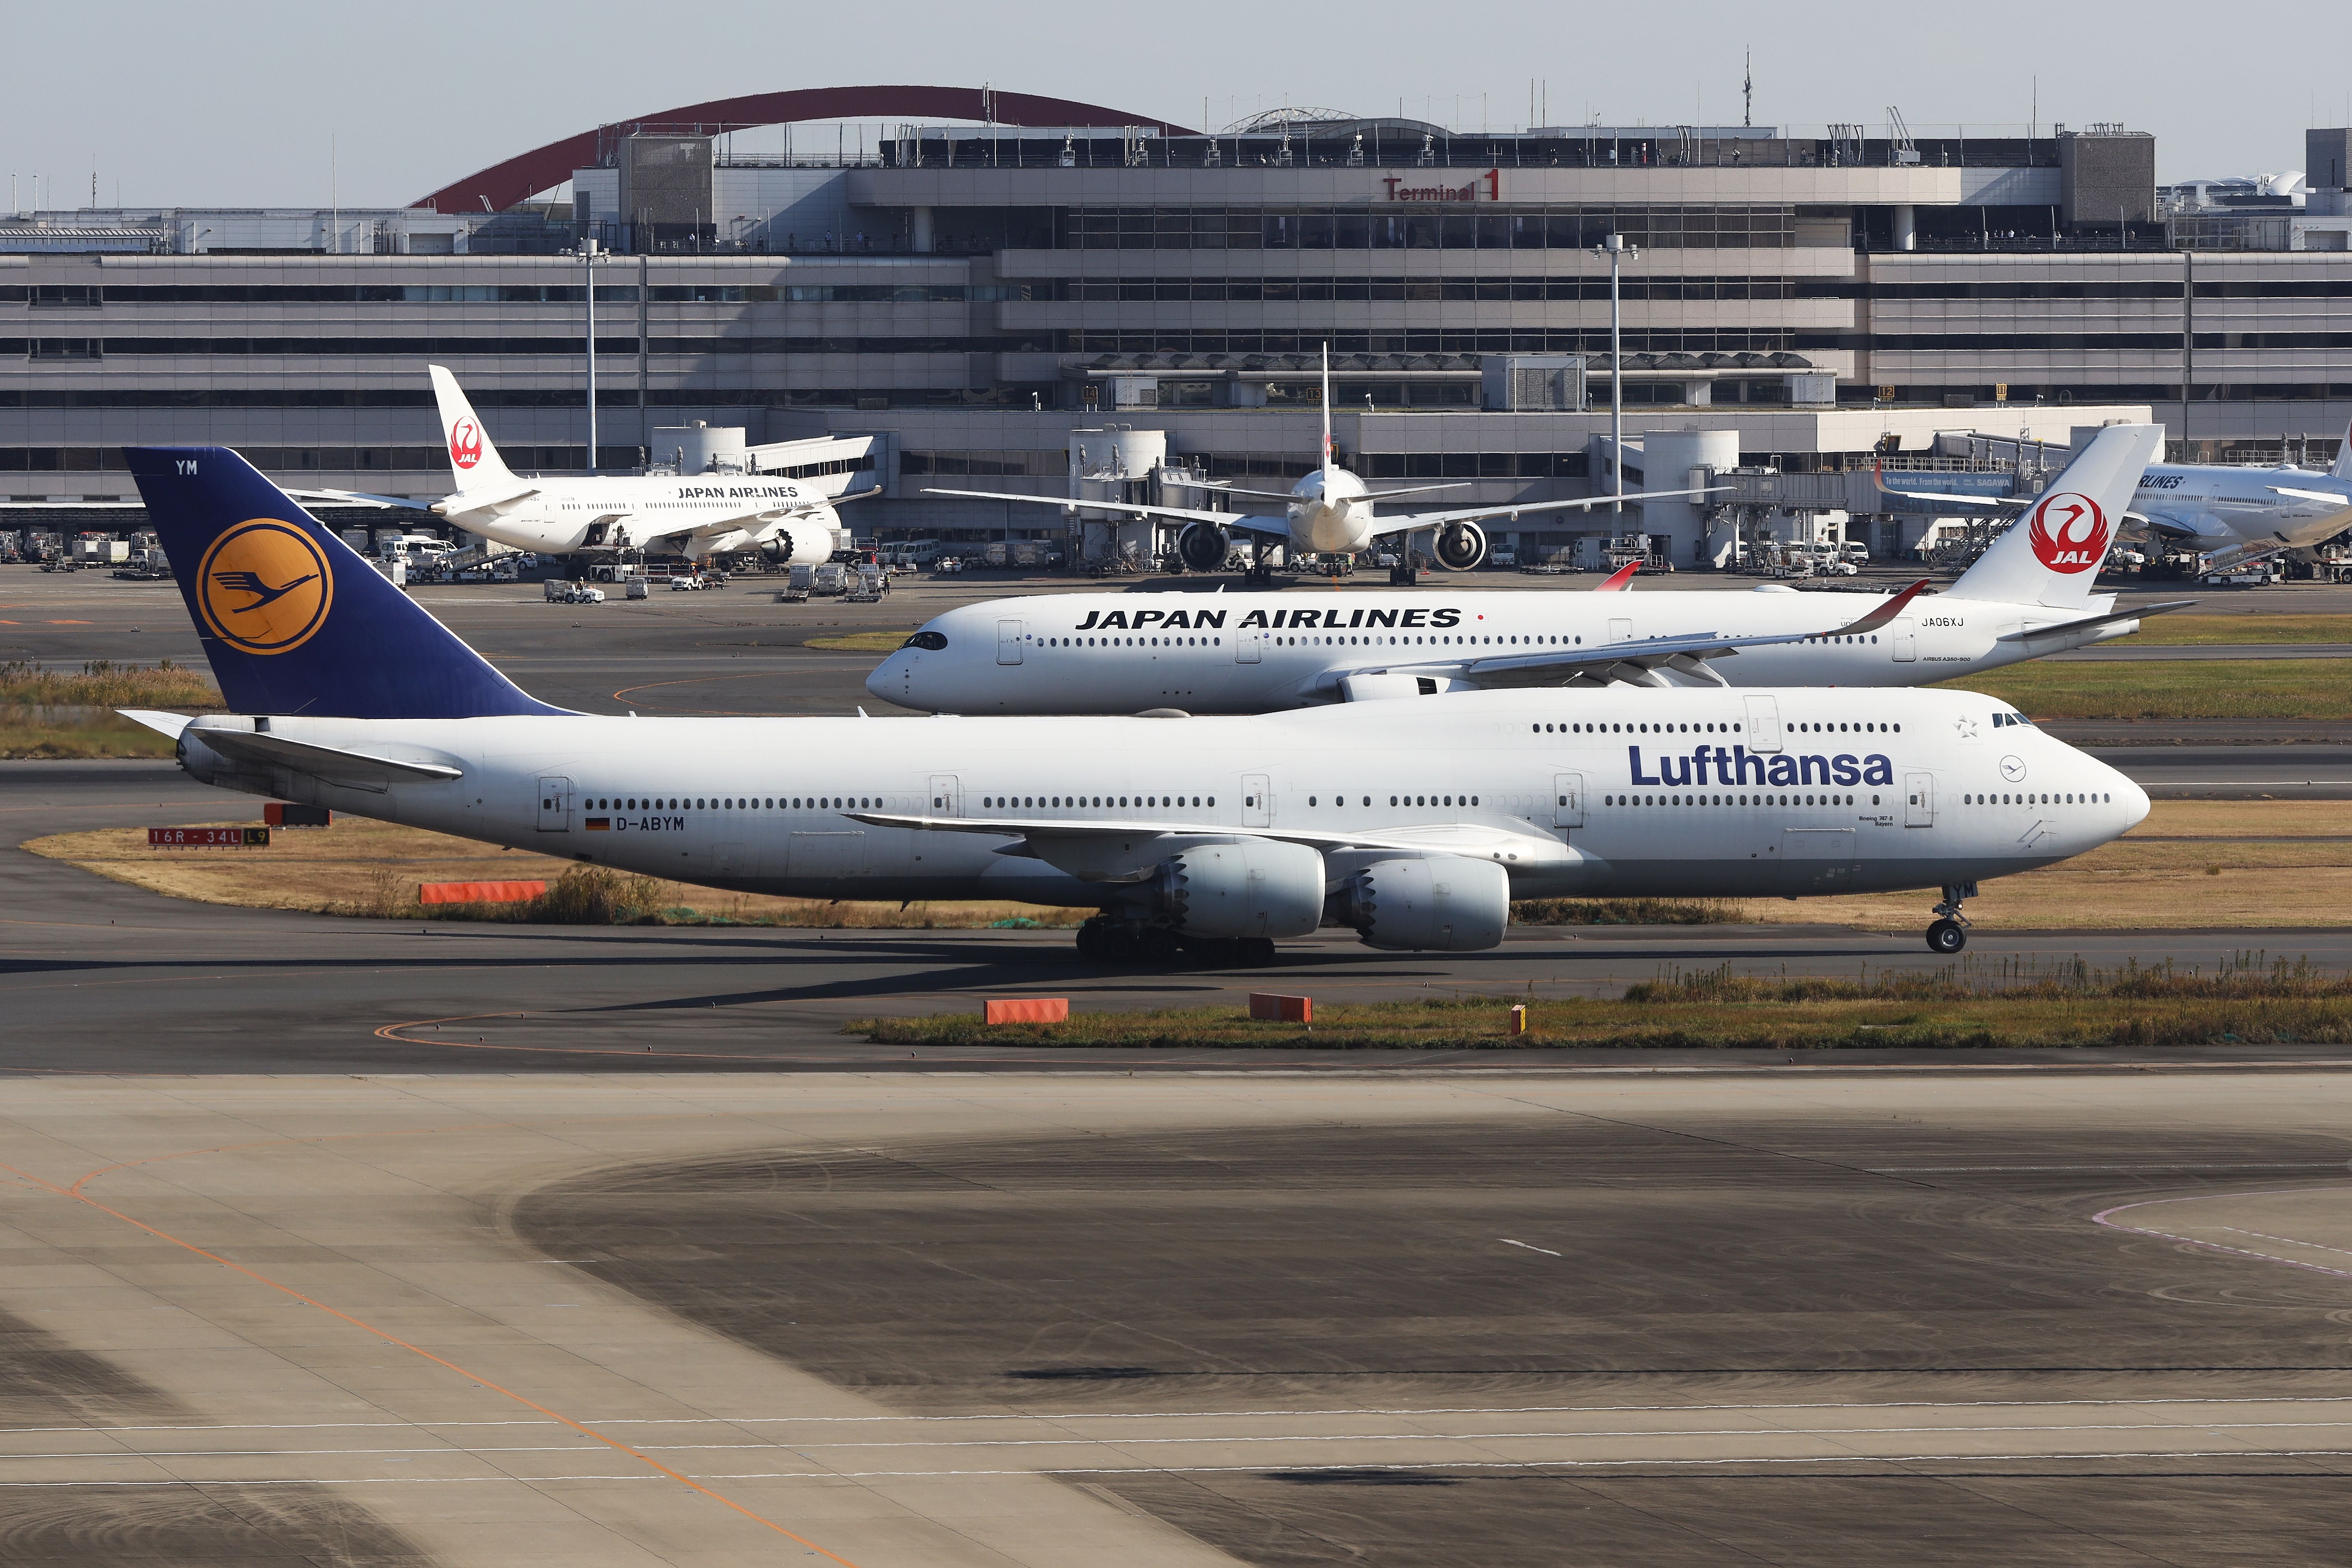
column 589, row 257
column 1616, row 250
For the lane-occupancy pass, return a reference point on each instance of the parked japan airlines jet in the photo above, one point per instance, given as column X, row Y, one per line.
column 692, row 515
column 1415, row 824
column 2226, row 513
column 1329, row 512
column 1215, row 653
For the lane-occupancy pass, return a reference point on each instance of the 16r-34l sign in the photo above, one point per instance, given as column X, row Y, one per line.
column 1491, row 182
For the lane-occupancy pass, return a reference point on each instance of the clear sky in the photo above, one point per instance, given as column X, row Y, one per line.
column 235, row 104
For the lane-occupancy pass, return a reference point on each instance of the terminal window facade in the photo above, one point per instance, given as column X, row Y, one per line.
column 1572, row 229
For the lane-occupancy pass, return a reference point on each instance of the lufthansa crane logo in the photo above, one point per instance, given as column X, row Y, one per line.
column 265, row 586
column 465, row 442
column 2069, row 533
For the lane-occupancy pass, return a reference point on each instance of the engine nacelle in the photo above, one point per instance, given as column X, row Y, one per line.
column 1447, row 904
column 1256, row 886
column 1460, row 546
column 803, row 539
column 1202, row 546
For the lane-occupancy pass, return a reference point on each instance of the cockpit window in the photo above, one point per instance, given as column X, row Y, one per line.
column 934, row 641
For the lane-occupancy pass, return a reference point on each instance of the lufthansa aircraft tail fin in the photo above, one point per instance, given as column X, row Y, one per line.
column 2050, row 554
column 2343, row 467
column 292, row 620
column 474, row 459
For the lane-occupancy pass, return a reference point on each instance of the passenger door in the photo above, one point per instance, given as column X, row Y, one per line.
column 554, row 806
column 1257, row 801
column 1249, row 647
column 1918, row 800
column 1568, row 800
column 1763, row 724
column 946, row 800
column 1620, row 629
column 1907, row 642
column 1008, row 640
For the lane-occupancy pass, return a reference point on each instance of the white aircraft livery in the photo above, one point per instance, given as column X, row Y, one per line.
column 2226, row 513
column 1330, row 512
column 1415, row 825
column 2029, row 594
column 692, row 515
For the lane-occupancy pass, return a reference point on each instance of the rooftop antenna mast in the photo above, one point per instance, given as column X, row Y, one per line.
column 1747, row 89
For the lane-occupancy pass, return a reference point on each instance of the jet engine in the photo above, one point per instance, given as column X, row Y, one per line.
column 1202, row 546
column 1253, row 888
column 1460, row 546
column 1449, row 904
column 803, row 539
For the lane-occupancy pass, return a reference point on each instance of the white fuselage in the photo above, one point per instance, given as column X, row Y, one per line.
column 1256, row 653
column 1330, row 513
column 2216, row 508
column 690, row 515
column 1628, row 792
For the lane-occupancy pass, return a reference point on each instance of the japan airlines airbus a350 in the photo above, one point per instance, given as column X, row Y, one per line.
column 1416, row 824
column 1331, row 512
column 1217, row 653
column 692, row 515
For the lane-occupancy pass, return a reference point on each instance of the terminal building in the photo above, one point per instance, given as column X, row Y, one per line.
column 982, row 284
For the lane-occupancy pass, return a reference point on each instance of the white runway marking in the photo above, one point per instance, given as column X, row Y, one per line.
column 1547, row 1251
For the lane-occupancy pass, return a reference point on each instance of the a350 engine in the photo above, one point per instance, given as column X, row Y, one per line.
column 1202, row 546
column 1256, row 887
column 1445, row 905
column 806, row 539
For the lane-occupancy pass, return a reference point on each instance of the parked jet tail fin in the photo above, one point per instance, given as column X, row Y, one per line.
column 2343, row 467
column 292, row 620
column 2052, row 553
column 474, row 459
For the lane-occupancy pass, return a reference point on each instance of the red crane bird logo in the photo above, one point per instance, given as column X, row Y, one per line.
column 465, row 442
column 2068, row 532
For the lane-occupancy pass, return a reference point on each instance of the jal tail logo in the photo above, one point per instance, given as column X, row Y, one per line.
column 465, row 442
column 265, row 586
column 2068, row 532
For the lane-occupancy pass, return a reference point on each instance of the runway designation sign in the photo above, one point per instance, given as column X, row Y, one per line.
column 208, row 838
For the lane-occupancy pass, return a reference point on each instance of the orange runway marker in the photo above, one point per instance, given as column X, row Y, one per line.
column 1028, row 1010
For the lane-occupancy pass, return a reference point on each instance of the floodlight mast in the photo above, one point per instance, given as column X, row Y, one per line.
column 1616, row 250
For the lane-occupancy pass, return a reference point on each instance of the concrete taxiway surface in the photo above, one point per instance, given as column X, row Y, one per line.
column 1083, row 1319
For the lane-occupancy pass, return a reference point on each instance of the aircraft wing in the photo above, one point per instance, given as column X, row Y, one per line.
column 1274, row 525
column 2088, row 623
column 465, row 503
column 1418, row 519
column 1473, row 840
column 355, row 498
column 1635, row 659
column 2326, row 497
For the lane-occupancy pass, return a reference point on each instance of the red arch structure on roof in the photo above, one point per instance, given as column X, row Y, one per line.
column 501, row 185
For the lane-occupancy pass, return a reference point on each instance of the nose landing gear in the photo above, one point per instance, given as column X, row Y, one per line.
column 1950, row 932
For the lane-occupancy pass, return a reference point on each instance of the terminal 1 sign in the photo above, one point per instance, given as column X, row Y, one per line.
column 1492, row 182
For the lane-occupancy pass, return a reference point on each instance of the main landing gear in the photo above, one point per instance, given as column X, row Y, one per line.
column 1950, row 932
column 1122, row 945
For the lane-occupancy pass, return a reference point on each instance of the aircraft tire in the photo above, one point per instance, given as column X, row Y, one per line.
column 1946, row 936
column 1256, row 952
column 1157, row 946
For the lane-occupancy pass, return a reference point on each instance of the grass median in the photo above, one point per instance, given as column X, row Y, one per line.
column 1967, row 1005
column 2158, row 689
column 57, row 713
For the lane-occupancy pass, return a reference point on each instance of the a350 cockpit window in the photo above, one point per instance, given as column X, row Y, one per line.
column 934, row 641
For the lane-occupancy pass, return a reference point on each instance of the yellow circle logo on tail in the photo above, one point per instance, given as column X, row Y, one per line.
column 265, row 586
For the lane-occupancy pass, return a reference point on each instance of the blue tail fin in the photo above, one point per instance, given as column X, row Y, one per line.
column 293, row 621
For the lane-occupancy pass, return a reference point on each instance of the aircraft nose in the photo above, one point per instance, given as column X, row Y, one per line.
column 2130, row 799
column 889, row 680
